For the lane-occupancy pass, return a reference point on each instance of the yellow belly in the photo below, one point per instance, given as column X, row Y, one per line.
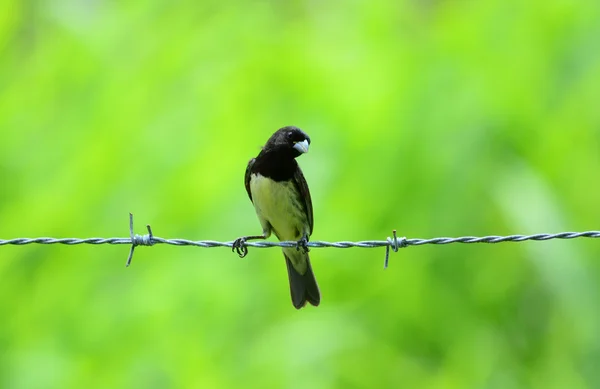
column 278, row 205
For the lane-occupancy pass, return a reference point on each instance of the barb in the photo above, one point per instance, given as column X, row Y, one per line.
column 394, row 243
column 138, row 240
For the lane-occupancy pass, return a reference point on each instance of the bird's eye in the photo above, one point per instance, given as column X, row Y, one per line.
column 290, row 135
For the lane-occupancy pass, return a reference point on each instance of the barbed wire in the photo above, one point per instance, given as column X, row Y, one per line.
column 393, row 243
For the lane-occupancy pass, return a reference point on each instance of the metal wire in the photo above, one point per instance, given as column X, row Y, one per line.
column 394, row 243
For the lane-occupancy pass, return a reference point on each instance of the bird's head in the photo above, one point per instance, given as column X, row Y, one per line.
column 289, row 139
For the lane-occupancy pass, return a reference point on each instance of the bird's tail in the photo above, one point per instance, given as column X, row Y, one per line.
column 303, row 287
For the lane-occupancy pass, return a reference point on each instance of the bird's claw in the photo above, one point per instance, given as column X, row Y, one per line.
column 239, row 246
column 302, row 243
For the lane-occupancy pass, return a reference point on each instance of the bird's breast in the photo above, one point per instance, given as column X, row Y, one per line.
column 279, row 203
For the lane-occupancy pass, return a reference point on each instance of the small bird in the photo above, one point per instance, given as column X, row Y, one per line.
column 279, row 192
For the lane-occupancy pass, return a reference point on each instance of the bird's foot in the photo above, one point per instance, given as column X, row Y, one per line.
column 239, row 246
column 302, row 243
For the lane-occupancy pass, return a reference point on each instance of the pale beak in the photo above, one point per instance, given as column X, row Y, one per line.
column 302, row 147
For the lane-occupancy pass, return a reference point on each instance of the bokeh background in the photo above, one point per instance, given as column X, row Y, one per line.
column 435, row 118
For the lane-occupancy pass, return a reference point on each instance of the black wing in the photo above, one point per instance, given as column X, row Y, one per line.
column 302, row 186
column 247, row 178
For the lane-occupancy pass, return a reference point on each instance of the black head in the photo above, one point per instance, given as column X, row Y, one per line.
column 288, row 139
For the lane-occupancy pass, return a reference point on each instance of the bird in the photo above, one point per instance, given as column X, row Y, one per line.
column 281, row 198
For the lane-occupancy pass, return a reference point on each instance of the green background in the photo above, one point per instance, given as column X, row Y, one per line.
column 435, row 118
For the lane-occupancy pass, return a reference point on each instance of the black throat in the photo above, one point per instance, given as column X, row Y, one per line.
column 277, row 165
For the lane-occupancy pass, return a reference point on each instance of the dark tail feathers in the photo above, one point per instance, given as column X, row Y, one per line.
column 303, row 288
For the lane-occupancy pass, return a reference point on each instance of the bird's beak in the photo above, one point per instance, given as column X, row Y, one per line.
column 302, row 147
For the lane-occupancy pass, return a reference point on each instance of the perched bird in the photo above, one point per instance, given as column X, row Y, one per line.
column 279, row 192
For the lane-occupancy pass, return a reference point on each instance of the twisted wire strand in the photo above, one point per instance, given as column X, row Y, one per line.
column 316, row 244
column 393, row 244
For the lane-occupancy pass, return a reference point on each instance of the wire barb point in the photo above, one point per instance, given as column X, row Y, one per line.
column 138, row 240
column 395, row 244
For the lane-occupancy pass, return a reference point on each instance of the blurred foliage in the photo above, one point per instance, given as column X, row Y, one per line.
column 437, row 118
